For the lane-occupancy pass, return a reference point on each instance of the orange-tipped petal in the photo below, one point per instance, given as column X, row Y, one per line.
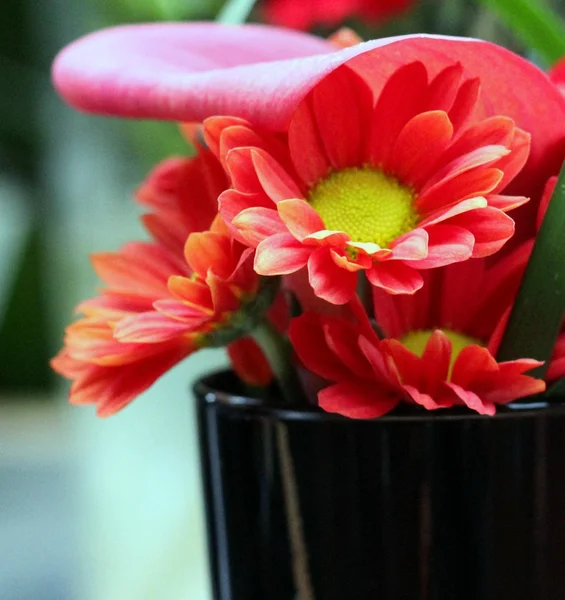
column 154, row 327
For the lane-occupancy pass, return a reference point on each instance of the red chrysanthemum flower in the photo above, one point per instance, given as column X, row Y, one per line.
column 438, row 349
column 304, row 14
column 407, row 182
column 165, row 298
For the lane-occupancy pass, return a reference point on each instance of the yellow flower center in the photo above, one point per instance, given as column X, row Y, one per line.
column 416, row 342
column 365, row 203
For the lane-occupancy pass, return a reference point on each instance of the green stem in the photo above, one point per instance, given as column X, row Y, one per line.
column 235, row 12
column 278, row 352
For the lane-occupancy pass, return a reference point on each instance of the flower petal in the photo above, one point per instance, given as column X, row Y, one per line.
column 153, row 327
column 309, row 342
column 300, row 218
column 395, row 277
column 280, row 254
column 249, row 362
column 472, row 400
column 490, row 227
column 187, row 72
column 257, row 223
column 447, row 244
column 357, row 400
column 328, row 280
column 419, row 146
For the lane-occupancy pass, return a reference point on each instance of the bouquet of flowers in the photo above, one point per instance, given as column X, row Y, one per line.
column 366, row 227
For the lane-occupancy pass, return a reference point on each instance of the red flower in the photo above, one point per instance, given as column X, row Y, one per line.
column 410, row 181
column 166, row 298
column 304, row 14
column 364, row 380
column 557, row 75
column 438, row 350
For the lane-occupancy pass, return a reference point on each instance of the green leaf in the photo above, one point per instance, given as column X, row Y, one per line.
column 557, row 389
column 537, row 315
column 235, row 12
column 534, row 23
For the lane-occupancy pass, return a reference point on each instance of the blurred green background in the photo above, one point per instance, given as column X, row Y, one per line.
column 91, row 509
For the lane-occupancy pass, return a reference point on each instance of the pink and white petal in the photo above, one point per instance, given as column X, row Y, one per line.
column 505, row 203
column 490, row 227
column 395, row 277
column 447, row 244
column 410, row 246
column 258, row 223
column 442, row 214
column 330, row 281
column 280, row 254
column 300, row 218
column 419, row 146
column 337, row 239
column 357, row 400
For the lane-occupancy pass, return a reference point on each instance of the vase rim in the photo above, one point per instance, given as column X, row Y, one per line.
column 210, row 389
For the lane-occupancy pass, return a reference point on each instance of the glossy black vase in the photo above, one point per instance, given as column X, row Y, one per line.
column 302, row 505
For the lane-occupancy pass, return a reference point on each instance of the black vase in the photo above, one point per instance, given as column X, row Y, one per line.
column 304, row 505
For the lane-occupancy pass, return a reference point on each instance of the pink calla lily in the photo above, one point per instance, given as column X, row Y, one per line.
column 187, row 72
